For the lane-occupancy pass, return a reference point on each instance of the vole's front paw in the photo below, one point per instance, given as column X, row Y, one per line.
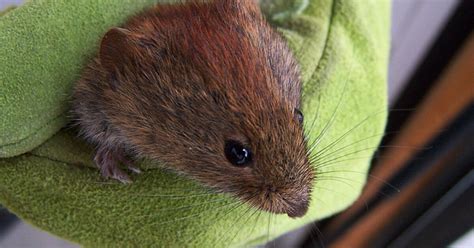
column 108, row 163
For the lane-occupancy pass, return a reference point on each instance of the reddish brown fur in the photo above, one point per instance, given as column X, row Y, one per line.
column 186, row 79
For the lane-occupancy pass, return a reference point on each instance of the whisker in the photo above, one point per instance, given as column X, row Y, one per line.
column 332, row 118
column 378, row 179
column 338, row 192
column 318, row 198
column 181, row 208
column 341, row 180
column 316, row 117
column 244, row 224
column 360, row 123
column 256, row 221
column 338, row 160
column 346, row 133
column 273, row 232
column 353, row 143
column 346, row 146
column 318, row 160
column 195, row 215
column 336, row 179
column 219, row 217
column 319, row 234
column 161, row 196
column 268, row 229
column 234, row 221
column 240, row 217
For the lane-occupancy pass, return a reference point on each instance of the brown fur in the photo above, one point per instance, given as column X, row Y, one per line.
column 180, row 80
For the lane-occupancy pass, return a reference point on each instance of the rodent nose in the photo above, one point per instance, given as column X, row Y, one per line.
column 298, row 209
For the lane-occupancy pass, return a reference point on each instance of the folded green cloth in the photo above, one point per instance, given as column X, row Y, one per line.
column 48, row 179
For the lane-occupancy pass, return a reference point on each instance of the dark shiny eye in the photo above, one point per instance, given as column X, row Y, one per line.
column 237, row 154
column 299, row 115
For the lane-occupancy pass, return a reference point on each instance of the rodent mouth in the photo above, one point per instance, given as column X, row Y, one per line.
column 298, row 210
column 292, row 210
column 295, row 208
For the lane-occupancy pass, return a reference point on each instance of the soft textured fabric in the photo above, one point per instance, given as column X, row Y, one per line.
column 48, row 179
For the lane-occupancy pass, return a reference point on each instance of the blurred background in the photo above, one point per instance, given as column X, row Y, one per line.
column 431, row 92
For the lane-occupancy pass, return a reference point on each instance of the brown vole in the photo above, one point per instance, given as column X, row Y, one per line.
column 209, row 90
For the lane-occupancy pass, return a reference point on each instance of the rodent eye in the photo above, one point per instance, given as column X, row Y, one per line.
column 237, row 154
column 299, row 115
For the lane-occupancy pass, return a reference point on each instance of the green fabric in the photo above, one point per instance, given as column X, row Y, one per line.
column 342, row 47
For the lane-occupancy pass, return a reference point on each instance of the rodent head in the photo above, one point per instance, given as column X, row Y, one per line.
column 217, row 98
column 267, row 162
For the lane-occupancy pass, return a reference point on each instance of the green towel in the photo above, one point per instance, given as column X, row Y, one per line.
column 47, row 177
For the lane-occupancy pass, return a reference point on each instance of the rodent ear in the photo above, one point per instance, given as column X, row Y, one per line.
column 116, row 49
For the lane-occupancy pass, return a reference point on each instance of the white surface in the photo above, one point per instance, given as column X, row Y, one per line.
column 466, row 241
column 415, row 25
column 22, row 235
column 4, row 3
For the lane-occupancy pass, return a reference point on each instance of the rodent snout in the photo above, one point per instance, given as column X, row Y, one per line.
column 295, row 204
column 298, row 209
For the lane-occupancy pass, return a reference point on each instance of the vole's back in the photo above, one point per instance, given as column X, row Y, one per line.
column 203, row 57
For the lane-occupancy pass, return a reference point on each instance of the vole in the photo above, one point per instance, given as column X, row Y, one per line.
column 211, row 91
